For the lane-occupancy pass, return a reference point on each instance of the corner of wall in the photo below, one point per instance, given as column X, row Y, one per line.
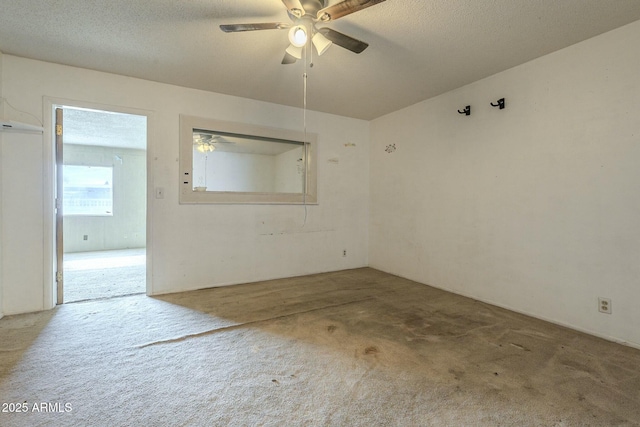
column 521, row 208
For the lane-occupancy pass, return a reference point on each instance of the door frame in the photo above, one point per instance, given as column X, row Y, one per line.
column 50, row 291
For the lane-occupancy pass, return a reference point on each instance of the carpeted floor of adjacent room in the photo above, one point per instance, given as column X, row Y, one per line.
column 350, row 348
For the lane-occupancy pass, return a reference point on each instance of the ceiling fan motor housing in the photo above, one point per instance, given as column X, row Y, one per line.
column 309, row 10
column 311, row 7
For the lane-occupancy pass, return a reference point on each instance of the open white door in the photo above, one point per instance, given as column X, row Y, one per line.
column 58, row 208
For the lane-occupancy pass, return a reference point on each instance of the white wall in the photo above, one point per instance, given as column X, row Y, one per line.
column 126, row 228
column 228, row 171
column 191, row 246
column 289, row 176
column 249, row 172
column 536, row 207
column 22, row 221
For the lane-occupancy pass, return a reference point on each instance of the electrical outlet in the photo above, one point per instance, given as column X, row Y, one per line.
column 604, row 305
column 344, row 253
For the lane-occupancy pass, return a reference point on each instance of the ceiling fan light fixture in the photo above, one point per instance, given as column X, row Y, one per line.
column 321, row 43
column 295, row 51
column 204, row 146
column 298, row 35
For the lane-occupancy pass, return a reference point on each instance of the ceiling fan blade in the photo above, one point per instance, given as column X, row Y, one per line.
column 344, row 8
column 234, row 28
column 288, row 59
column 342, row 40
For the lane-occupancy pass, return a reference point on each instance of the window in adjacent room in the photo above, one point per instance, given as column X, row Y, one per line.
column 88, row 190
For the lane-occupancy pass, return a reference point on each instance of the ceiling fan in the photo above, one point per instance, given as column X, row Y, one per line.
column 305, row 15
column 204, row 141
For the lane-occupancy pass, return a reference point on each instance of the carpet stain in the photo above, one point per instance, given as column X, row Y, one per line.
column 331, row 328
column 414, row 321
column 371, row 350
column 276, row 382
column 456, row 374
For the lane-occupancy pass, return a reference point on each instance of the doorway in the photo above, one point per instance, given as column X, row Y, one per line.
column 101, row 195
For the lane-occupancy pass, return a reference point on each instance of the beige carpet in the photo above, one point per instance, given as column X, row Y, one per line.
column 352, row 348
column 104, row 274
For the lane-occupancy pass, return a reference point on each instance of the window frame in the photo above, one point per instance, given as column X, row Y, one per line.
column 187, row 195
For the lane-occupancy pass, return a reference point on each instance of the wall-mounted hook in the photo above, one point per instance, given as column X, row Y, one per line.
column 466, row 111
column 499, row 104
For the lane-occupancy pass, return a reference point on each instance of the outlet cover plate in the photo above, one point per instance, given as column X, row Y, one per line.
column 604, row 305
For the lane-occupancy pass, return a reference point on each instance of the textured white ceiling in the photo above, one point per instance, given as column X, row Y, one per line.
column 104, row 129
column 418, row 48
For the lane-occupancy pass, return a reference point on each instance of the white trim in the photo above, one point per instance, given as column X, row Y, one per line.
column 48, row 105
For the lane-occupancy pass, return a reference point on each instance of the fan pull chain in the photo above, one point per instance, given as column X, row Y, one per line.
column 311, row 54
